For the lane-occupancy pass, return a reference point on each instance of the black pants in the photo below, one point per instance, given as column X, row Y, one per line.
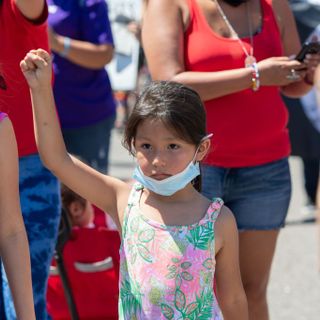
column 311, row 177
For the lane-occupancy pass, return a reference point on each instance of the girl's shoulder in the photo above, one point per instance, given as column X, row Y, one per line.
column 225, row 212
column 225, row 227
column 226, row 216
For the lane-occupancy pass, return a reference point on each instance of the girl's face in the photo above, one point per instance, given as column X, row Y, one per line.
column 81, row 216
column 160, row 152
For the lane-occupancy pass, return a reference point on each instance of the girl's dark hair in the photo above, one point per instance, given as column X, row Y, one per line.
column 68, row 196
column 235, row 3
column 179, row 108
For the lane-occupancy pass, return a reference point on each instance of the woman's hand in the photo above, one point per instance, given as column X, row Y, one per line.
column 37, row 69
column 312, row 61
column 280, row 71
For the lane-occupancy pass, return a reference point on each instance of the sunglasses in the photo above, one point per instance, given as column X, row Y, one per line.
column 3, row 84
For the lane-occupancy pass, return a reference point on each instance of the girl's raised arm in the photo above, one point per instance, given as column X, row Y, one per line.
column 14, row 249
column 107, row 193
column 230, row 292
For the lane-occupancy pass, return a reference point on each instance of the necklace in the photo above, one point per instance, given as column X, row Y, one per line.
column 250, row 59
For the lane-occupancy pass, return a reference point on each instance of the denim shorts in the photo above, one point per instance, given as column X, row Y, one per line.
column 258, row 196
column 91, row 143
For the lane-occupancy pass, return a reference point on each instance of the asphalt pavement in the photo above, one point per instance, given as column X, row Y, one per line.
column 294, row 289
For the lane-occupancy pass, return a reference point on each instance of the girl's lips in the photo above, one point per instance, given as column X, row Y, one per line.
column 160, row 176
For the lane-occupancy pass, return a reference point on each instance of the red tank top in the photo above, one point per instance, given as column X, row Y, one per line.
column 250, row 128
column 18, row 35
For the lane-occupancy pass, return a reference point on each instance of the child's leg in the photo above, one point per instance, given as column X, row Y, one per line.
column 39, row 194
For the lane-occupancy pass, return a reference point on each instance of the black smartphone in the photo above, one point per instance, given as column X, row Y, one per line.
column 123, row 19
column 308, row 47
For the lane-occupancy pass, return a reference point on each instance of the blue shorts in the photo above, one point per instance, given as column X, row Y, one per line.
column 258, row 196
column 40, row 204
column 91, row 143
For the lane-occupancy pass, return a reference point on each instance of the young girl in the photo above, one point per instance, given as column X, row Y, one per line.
column 13, row 240
column 175, row 242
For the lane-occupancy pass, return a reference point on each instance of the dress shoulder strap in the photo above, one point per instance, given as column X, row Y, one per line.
column 135, row 194
column 215, row 209
column 133, row 201
column 134, row 198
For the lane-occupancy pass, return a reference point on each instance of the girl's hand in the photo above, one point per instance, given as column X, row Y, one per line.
column 37, row 69
column 312, row 61
column 280, row 71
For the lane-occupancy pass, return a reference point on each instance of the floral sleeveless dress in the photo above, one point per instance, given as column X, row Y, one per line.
column 167, row 272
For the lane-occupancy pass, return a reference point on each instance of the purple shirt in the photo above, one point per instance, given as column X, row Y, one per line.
column 83, row 96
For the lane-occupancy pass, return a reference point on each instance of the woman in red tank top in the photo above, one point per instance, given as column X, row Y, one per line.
column 237, row 55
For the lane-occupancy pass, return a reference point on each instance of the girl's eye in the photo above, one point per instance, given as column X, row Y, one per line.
column 146, row 146
column 173, row 146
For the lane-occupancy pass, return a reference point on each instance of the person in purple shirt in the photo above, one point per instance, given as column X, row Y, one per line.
column 82, row 44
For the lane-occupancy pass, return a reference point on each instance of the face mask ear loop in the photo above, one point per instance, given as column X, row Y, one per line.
column 208, row 136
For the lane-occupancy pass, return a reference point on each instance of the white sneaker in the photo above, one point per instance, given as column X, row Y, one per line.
column 309, row 212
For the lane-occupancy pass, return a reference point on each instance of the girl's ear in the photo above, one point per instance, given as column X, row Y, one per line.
column 133, row 149
column 203, row 149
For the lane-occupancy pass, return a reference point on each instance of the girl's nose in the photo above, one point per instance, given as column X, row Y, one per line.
column 158, row 160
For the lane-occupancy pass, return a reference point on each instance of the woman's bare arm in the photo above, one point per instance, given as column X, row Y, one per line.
column 164, row 51
column 31, row 9
column 14, row 248
column 83, row 53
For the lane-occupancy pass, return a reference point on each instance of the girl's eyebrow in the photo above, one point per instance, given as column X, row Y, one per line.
column 165, row 138
column 142, row 138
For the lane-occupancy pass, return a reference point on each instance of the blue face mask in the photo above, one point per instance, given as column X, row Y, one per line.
column 171, row 185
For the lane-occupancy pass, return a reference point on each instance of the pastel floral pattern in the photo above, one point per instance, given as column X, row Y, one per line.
column 167, row 272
